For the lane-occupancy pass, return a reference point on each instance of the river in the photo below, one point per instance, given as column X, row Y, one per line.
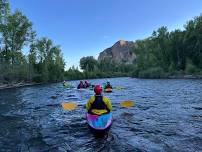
column 167, row 116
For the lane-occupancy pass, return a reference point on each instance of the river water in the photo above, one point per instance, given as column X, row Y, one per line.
column 167, row 116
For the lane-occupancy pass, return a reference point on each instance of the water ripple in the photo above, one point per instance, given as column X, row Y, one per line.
column 167, row 116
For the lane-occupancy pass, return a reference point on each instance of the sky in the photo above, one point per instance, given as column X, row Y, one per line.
column 87, row 27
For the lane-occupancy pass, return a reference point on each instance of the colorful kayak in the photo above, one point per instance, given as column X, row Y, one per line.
column 67, row 85
column 101, row 122
column 108, row 90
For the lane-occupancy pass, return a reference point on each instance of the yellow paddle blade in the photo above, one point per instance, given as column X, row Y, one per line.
column 127, row 103
column 69, row 105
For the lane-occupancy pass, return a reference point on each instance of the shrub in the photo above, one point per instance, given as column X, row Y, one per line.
column 155, row 72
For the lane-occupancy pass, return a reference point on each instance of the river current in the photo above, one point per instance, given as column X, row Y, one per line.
column 167, row 116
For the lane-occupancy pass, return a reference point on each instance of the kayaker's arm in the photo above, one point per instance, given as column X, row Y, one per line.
column 107, row 102
column 89, row 102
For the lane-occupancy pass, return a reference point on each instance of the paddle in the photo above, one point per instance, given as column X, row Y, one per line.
column 69, row 105
column 127, row 103
column 72, row 105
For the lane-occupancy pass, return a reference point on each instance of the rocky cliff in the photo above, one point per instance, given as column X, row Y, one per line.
column 120, row 52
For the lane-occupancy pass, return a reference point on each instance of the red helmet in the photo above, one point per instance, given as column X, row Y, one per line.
column 98, row 89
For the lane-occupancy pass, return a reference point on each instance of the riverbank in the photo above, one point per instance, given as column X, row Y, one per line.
column 159, row 74
column 172, row 77
column 185, row 77
column 17, row 85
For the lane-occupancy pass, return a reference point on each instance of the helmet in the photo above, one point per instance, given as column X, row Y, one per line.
column 98, row 89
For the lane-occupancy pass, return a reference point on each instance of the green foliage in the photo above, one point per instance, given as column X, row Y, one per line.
column 172, row 52
column 191, row 68
column 73, row 74
column 88, row 63
column 156, row 72
column 16, row 33
column 5, row 10
column 161, row 55
column 177, row 50
column 44, row 62
column 193, row 41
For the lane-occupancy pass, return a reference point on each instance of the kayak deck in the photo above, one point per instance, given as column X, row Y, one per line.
column 101, row 122
column 108, row 90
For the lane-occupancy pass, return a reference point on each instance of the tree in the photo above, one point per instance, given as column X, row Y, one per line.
column 177, row 50
column 16, row 33
column 4, row 11
column 161, row 47
column 46, row 60
column 88, row 63
column 193, row 40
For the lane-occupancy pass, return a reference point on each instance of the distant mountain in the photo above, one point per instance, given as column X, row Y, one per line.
column 120, row 52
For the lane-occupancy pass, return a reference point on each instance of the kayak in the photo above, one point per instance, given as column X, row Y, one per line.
column 108, row 90
column 67, row 86
column 99, row 122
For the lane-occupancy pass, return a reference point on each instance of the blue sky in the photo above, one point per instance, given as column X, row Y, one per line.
column 87, row 27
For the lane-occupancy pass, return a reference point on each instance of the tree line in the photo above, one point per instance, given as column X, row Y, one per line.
column 165, row 53
column 161, row 55
column 92, row 68
column 44, row 62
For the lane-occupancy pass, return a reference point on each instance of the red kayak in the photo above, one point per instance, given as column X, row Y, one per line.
column 108, row 90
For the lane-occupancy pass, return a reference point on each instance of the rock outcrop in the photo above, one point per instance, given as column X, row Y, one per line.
column 120, row 52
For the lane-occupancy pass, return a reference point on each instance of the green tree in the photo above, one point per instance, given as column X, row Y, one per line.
column 46, row 60
column 88, row 63
column 16, row 33
column 193, row 40
column 177, row 50
column 161, row 48
column 4, row 11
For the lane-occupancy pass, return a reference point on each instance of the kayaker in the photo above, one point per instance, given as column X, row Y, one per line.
column 108, row 85
column 98, row 104
column 81, row 85
column 87, row 84
column 65, row 83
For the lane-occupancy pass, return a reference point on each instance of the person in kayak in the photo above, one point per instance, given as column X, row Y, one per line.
column 81, row 85
column 98, row 104
column 87, row 84
column 65, row 83
column 108, row 85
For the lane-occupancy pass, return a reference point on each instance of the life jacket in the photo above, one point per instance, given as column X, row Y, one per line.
column 80, row 86
column 87, row 84
column 98, row 104
column 108, row 86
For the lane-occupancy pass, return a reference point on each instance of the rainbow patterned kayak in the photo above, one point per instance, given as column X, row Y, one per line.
column 101, row 122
